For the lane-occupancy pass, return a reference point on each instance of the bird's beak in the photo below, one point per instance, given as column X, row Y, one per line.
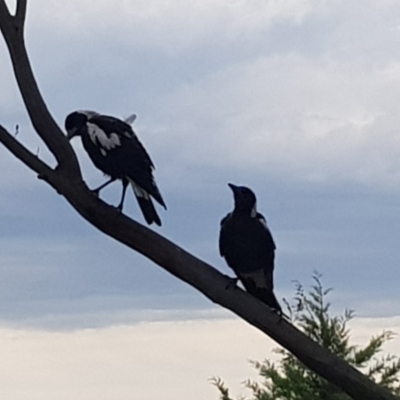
column 71, row 133
column 233, row 187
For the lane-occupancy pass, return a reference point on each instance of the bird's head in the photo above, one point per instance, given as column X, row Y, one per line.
column 76, row 122
column 245, row 199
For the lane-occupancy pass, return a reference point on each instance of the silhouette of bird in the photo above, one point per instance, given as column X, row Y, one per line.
column 248, row 247
column 114, row 148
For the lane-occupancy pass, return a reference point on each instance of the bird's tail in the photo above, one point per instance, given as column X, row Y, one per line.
column 268, row 298
column 157, row 195
column 259, row 284
column 145, row 204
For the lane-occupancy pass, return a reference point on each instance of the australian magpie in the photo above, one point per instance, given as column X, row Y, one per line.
column 248, row 247
column 115, row 149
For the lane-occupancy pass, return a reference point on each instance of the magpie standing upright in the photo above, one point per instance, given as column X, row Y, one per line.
column 248, row 247
column 115, row 149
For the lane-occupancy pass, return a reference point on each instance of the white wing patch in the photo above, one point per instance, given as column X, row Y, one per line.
column 98, row 136
column 129, row 135
column 263, row 222
column 139, row 192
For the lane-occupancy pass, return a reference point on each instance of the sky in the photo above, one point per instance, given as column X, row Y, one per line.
column 297, row 99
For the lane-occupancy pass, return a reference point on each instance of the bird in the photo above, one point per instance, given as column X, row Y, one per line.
column 248, row 247
column 114, row 148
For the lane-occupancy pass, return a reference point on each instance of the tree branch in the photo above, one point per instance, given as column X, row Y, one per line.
column 20, row 13
column 5, row 16
column 4, row 12
column 44, row 124
column 218, row 289
column 23, row 154
column 66, row 179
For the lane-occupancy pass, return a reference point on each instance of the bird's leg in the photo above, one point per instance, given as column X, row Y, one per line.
column 124, row 186
column 97, row 190
column 283, row 315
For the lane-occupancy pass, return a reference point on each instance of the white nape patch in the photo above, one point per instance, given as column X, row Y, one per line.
column 98, row 136
column 139, row 192
column 253, row 213
column 131, row 119
column 263, row 222
column 88, row 113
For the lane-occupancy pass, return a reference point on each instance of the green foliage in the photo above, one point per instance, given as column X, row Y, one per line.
column 288, row 379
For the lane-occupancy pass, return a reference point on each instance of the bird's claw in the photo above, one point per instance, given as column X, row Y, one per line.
column 281, row 314
column 232, row 282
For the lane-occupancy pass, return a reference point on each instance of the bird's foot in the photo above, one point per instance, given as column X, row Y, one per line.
column 120, row 206
column 278, row 311
column 232, row 282
column 281, row 314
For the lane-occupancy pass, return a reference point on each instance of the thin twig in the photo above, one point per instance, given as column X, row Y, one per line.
column 23, row 154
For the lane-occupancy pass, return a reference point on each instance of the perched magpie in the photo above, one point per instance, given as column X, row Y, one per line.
column 248, row 247
column 115, row 149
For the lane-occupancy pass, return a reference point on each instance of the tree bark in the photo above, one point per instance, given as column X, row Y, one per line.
column 66, row 179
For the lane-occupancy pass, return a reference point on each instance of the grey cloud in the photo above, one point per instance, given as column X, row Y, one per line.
column 298, row 103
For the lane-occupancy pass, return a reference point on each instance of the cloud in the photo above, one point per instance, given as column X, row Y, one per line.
column 304, row 90
column 295, row 117
column 297, row 99
column 149, row 360
column 162, row 25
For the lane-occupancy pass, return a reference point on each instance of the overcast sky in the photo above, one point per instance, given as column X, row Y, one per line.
column 297, row 99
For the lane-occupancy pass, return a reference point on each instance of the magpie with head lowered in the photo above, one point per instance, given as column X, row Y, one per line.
column 248, row 247
column 114, row 148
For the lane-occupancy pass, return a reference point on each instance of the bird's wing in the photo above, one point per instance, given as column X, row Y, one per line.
column 223, row 240
column 113, row 134
column 110, row 125
column 247, row 245
column 266, row 232
column 126, row 153
column 249, row 249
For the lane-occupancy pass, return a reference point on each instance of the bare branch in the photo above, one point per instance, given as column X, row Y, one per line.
column 5, row 16
column 216, row 287
column 20, row 13
column 42, row 120
column 15, row 23
column 23, row 154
